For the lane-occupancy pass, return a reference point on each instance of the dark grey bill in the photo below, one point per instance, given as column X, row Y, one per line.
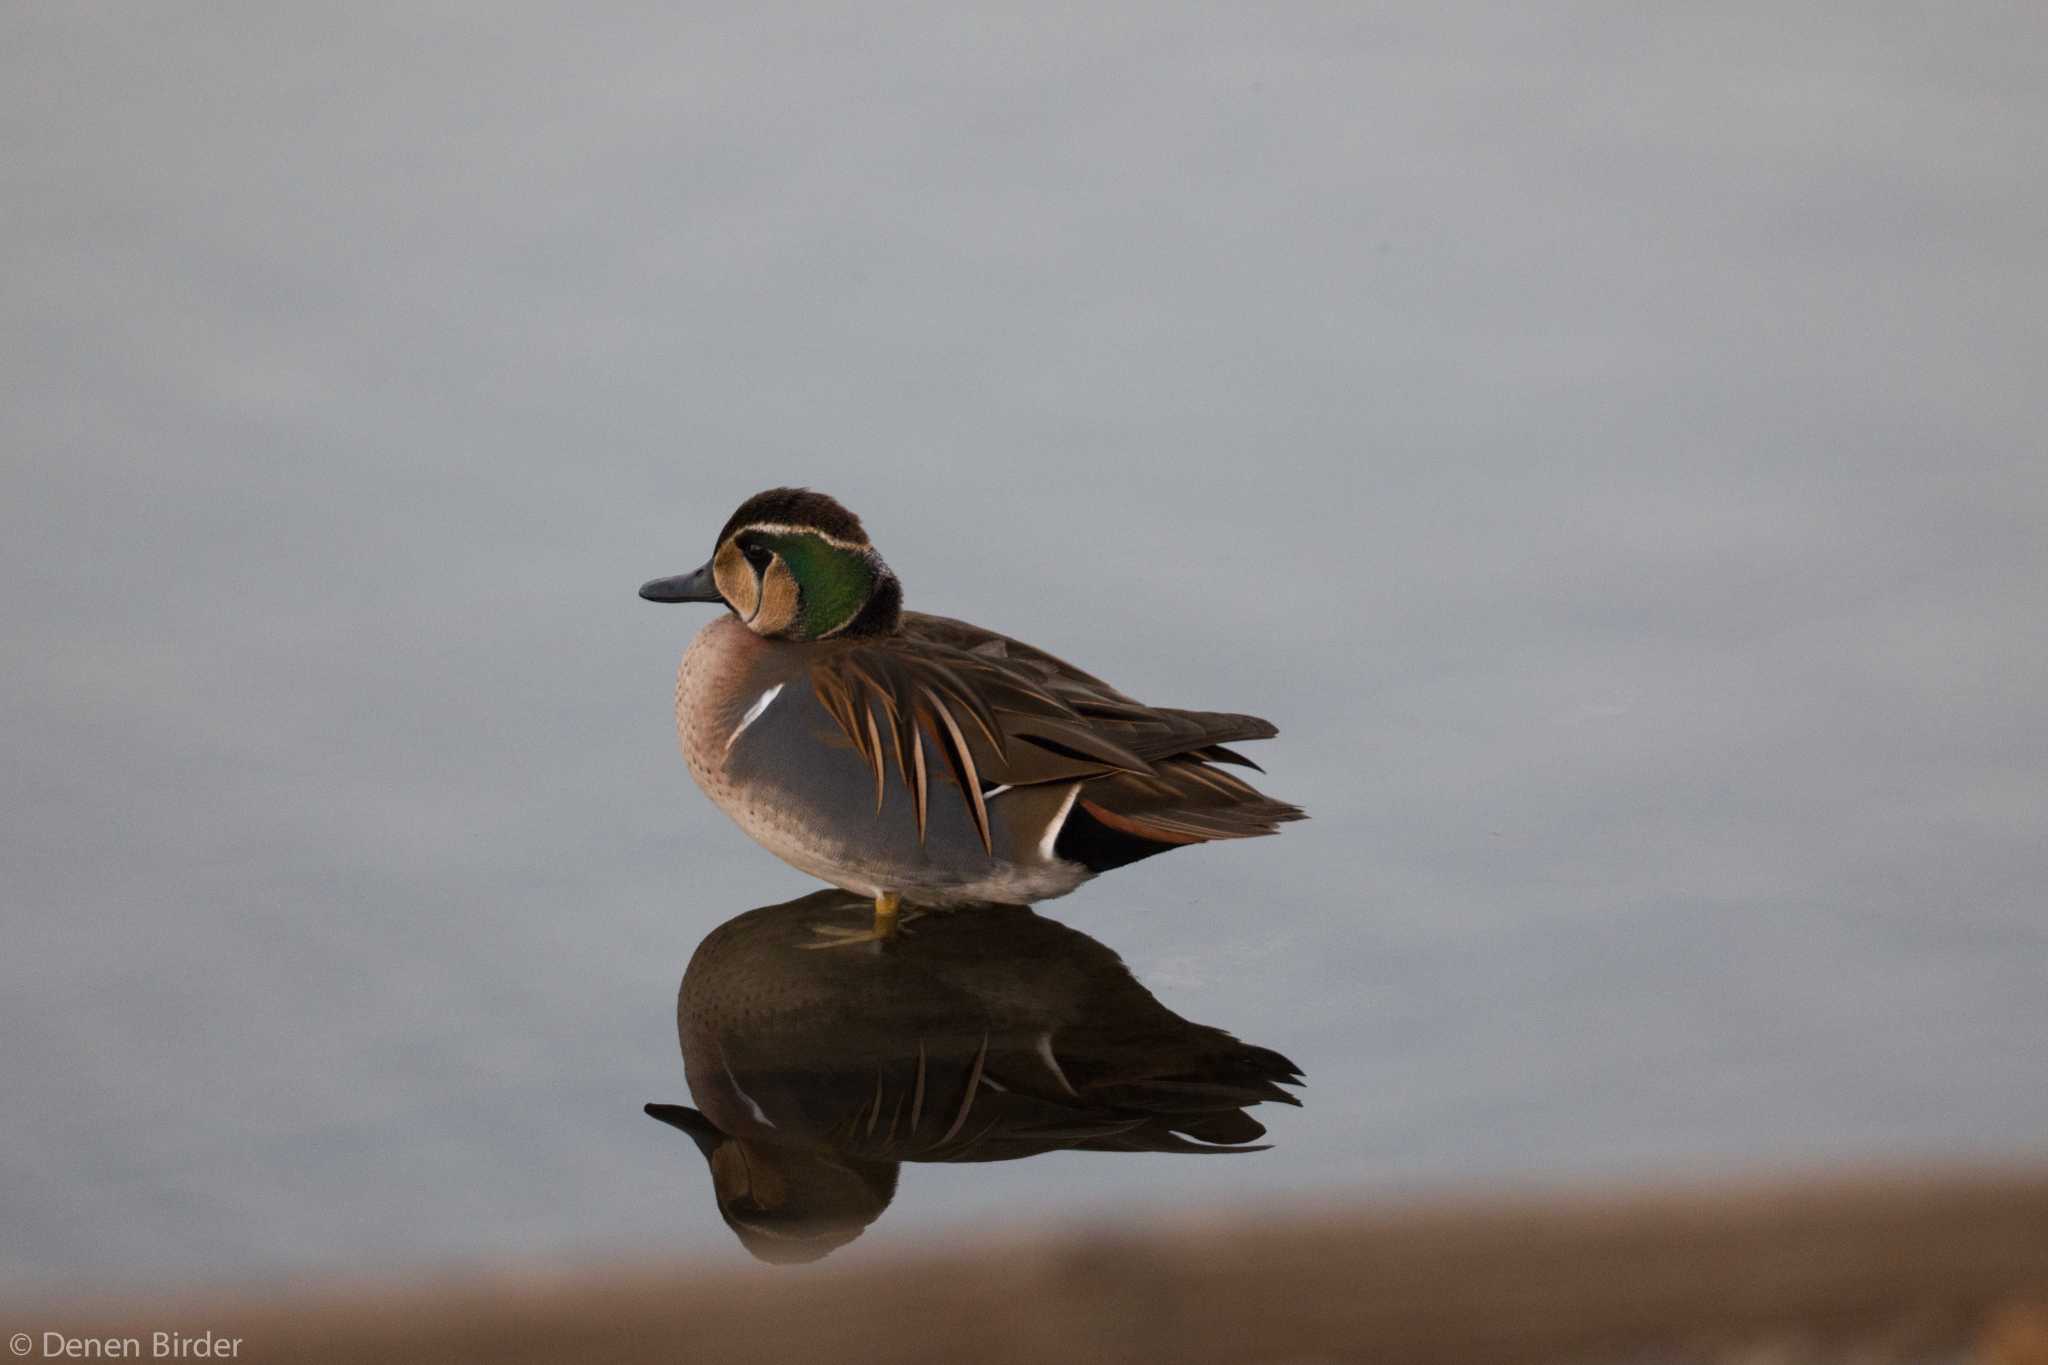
column 695, row 586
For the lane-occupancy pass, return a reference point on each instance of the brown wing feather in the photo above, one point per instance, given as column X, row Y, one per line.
column 1002, row 713
column 1185, row 801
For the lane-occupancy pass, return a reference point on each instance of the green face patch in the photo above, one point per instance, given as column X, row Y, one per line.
column 833, row 582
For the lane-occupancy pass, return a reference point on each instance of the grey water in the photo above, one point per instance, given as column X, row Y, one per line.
column 1607, row 443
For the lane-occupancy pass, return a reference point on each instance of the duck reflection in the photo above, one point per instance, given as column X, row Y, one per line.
column 984, row 1034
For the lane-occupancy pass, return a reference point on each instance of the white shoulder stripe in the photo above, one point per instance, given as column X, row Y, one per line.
column 753, row 713
column 1052, row 831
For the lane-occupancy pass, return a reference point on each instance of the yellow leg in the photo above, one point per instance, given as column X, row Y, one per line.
column 890, row 917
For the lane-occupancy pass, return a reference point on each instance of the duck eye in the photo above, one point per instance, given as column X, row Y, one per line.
column 757, row 555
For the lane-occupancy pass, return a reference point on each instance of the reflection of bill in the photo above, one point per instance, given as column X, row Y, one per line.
column 983, row 1034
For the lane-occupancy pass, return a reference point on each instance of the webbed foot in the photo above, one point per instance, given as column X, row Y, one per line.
column 890, row 922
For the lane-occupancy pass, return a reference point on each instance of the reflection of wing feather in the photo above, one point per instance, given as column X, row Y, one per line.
column 969, row 1093
column 1002, row 714
column 1194, row 1103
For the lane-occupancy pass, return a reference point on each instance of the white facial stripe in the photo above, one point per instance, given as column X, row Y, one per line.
column 753, row 713
column 778, row 528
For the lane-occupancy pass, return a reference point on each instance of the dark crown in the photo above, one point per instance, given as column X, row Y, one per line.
column 797, row 507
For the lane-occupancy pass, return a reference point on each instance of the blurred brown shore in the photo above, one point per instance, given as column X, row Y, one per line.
column 1920, row 1266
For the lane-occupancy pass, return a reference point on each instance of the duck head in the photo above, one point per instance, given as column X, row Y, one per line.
column 793, row 565
column 786, row 1205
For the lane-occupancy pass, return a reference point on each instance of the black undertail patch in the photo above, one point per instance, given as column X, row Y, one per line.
column 1086, row 840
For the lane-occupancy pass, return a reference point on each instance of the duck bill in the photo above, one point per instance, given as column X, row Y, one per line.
column 695, row 586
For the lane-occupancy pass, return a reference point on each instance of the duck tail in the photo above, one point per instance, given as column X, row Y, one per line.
column 1188, row 799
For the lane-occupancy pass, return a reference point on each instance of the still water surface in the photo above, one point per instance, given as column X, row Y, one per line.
column 1607, row 446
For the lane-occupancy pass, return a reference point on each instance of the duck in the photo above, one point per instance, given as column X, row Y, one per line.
column 908, row 757
column 986, row 1036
